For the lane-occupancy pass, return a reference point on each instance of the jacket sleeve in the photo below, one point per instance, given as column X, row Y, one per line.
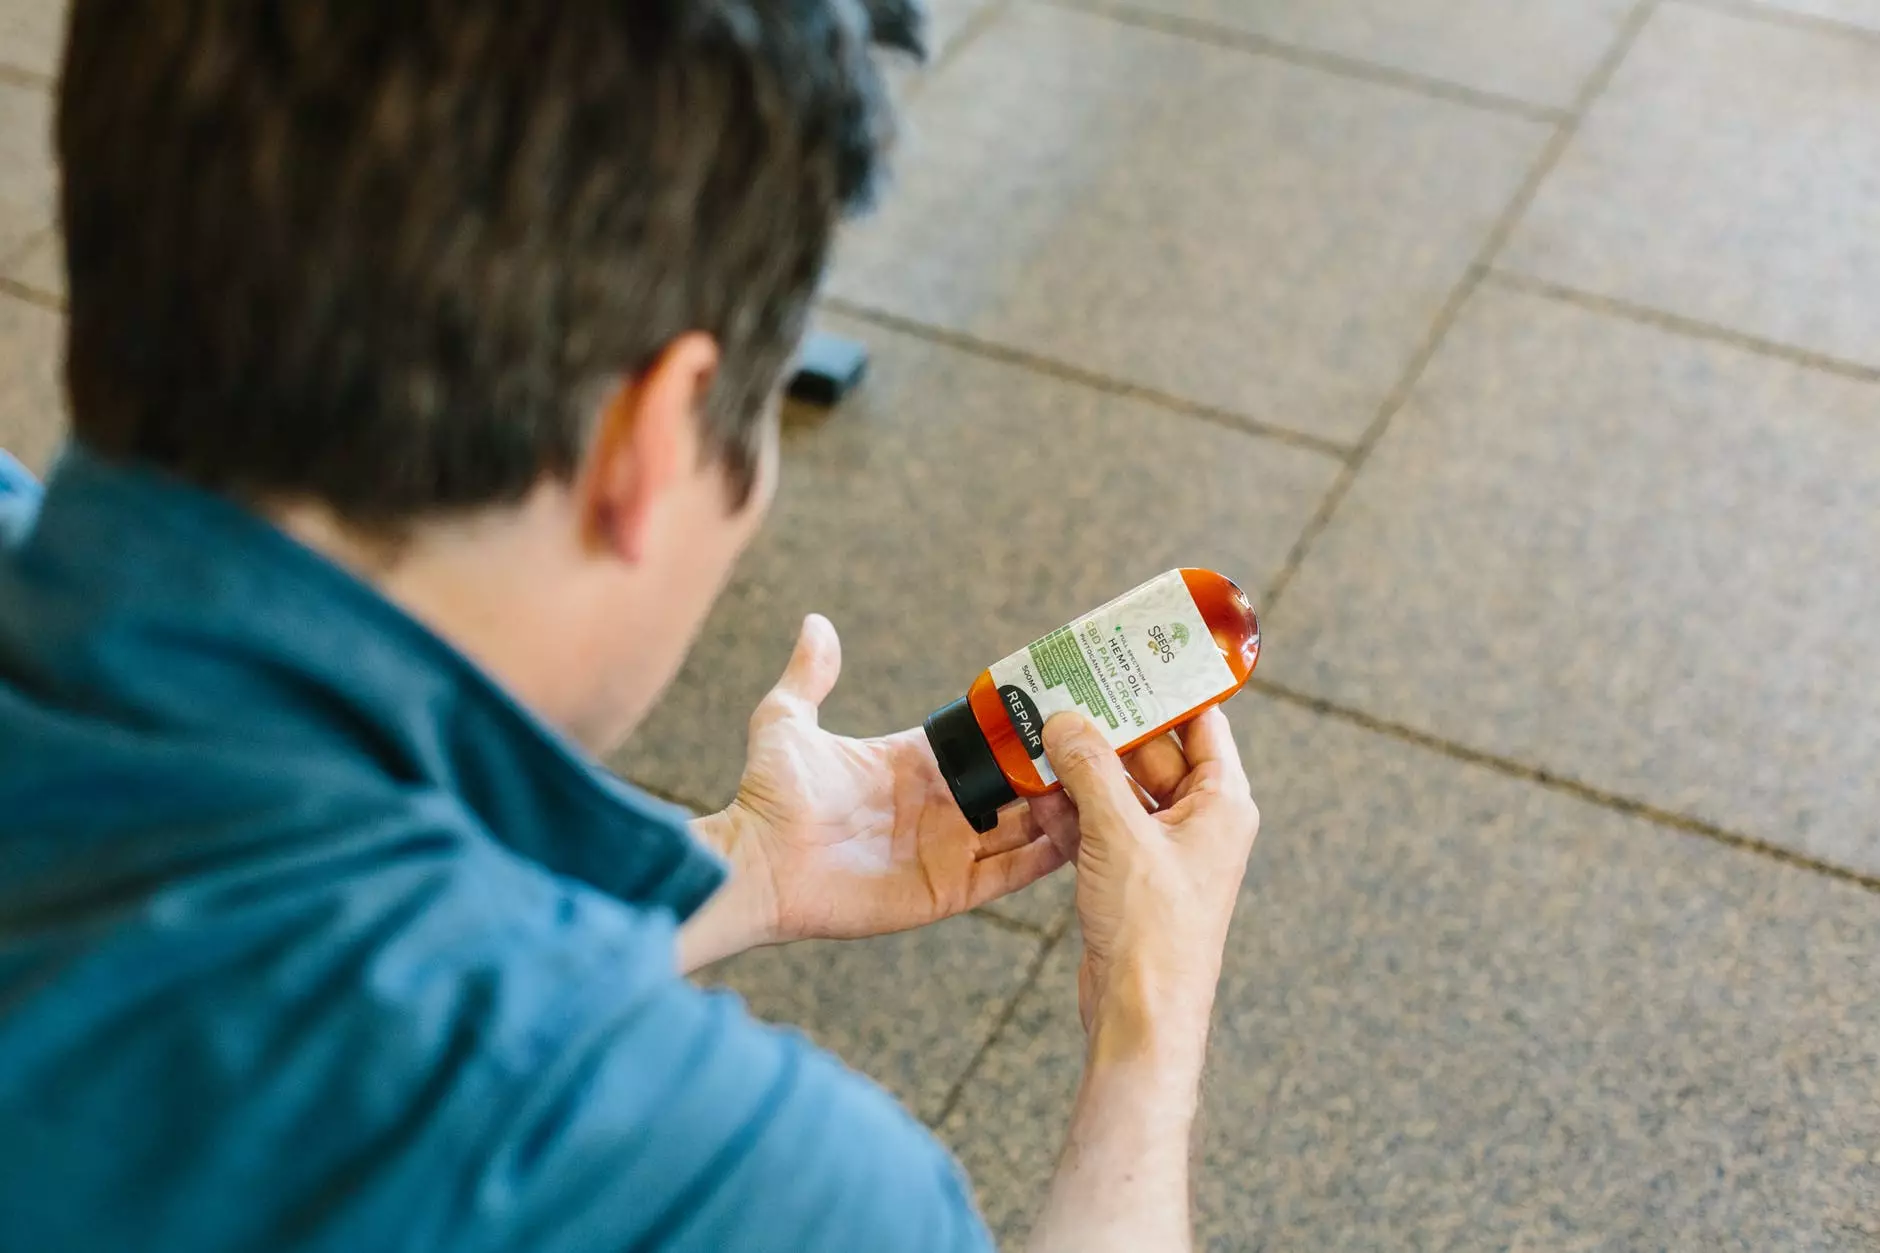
column 683, row 1124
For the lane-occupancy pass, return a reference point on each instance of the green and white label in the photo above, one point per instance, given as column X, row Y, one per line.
column 1144, row 659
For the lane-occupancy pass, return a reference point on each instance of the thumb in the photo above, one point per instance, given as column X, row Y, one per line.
column 1092, row 774
column 814, row 666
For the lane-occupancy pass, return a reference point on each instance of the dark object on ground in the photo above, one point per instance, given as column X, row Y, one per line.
column 829, row 369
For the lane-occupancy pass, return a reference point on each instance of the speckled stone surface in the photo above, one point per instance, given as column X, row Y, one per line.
column 1009, row 1125
column 28, row 183
column 32, row 34
column 39, row 263
column 1636, row 559
column 1462, row 1012
column 1223, row 227
column 1865, row 13
column 32, row 405
column 1727, row 175
column 1540, row 51
column 946, row 21
column 910, row 1011
column 953, row 510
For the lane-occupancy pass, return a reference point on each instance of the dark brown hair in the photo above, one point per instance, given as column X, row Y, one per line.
column 388, row 254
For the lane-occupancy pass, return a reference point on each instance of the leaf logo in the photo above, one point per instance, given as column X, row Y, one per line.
column 1165, row 642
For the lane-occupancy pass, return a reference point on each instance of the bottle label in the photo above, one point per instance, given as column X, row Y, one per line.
column 1142, row 660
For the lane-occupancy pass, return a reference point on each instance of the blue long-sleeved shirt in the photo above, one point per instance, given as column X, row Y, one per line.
column 311, row 938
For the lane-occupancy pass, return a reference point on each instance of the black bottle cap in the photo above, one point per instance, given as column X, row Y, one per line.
column 968, row 766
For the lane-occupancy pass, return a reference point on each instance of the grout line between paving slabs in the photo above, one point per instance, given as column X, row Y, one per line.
column 30, row 295
column 19, row 76
column 1017, row 926
column 1472, row 278
column 1372, row 72
column 1613, row 801
column 1066, row 372
column 923, row 73
column 981, row 21
column 1025, row 985
column 26, row 291
column 1693, row 328
column 1813, row 23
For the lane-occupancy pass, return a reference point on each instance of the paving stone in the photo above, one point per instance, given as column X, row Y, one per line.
column 1008, row 1129
column 947, row 20
column 28, row 184
column 1727, row 175
column 39, row 264
column 1864, row 13
column 1223, row 227
column 910, row 1011
column 32, row 34
column 1632, row 558
column 953, row 510
column 32, row 402
column 1464, row 1012
column 1540, row 51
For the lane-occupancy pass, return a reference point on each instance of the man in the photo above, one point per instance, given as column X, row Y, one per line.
column 423, row 361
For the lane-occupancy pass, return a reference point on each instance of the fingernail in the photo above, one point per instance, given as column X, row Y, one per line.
column 1060, row 727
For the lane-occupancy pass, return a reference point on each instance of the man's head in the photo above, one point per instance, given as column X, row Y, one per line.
column 412, row 265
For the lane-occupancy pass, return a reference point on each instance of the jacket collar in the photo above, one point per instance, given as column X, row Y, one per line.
column 142, row 600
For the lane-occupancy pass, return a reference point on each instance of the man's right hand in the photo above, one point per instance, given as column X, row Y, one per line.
column 1155, row 891
column 1164, row 847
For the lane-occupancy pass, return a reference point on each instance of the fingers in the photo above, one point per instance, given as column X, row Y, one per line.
column 1218, row 786
column 813, row 669
column 1016, row 828
column 1091, row 771
column 1056, row 817
column 1160, row 766
column 993, row 877
column 1209, row 740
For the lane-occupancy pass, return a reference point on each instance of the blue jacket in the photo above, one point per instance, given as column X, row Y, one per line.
column 311, row 938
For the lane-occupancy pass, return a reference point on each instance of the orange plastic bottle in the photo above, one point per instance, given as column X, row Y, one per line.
column 1149, row 660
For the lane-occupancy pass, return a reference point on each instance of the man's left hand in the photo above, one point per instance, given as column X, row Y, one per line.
column 840, row 838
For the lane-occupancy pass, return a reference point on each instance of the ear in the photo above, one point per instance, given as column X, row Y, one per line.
column 646, row 442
